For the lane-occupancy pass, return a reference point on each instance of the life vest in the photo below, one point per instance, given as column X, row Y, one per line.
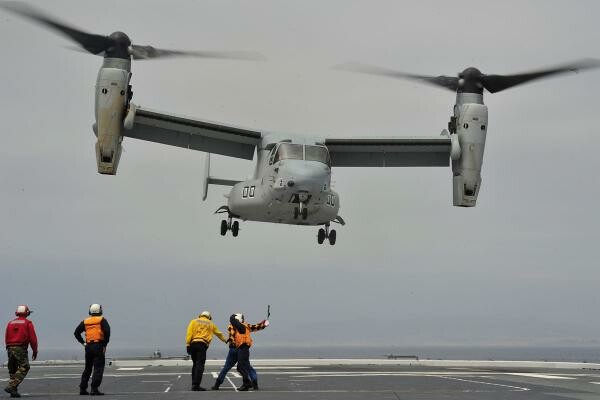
column 243, row 338
column 93, row 330
column 17, row 332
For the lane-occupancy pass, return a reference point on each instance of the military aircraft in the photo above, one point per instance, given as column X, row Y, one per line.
column 292, row 178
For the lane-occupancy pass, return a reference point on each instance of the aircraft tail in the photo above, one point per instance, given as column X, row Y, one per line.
column 211, row 180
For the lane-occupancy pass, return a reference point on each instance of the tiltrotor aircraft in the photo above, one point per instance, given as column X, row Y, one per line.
column 292, row 178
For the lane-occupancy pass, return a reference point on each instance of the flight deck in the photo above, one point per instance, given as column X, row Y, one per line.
column 328, row 379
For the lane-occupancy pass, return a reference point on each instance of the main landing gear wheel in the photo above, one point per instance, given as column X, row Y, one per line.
column 304, row 213
column 230, row 225
column 327, row 234
column 332, row 237
column 296, row 212
column 321, row 236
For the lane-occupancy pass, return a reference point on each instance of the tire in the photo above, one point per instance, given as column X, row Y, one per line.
column 235, row 228
column 296, row 212
column 321, row 236
column 223, row 228
column 304, row 213
column 332, row 237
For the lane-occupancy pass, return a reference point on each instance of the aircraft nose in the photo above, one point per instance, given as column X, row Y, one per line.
column 305, row 176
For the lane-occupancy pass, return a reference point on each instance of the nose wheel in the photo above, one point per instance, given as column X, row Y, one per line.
column 230, row 225
column 325, row 233
column 301, row 210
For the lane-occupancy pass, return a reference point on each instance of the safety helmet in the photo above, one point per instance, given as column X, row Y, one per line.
column 239, row 317
column 23, row 311
column 95, row 309
column 206, row 314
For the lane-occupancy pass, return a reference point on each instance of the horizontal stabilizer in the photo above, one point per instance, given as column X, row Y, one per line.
column 222, row 182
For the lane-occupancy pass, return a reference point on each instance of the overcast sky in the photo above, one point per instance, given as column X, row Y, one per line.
column 408, row 268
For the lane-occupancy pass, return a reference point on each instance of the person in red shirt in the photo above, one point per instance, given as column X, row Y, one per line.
column 20, row 334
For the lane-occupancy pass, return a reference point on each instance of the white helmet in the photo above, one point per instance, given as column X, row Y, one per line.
column 95, row 309
column 23, row 311
column 206, row 314
column 239, row 317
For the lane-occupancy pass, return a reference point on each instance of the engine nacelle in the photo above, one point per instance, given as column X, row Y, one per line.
column 471, row 130
column 111, row 102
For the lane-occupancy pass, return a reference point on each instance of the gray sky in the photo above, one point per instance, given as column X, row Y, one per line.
column 408, row 269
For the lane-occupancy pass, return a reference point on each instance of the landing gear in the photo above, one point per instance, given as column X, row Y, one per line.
column 327, row 234
column 321, row 236
column 301, row 210
column 230, row 225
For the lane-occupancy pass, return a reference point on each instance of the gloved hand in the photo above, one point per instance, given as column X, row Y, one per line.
column 187, row 350
column 33, row 356
column 266, row 322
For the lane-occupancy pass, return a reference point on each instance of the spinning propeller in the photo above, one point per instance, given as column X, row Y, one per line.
column 472, row 80
column 117, row 44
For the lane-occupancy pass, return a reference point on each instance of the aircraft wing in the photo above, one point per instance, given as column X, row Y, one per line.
column 431, row 151
column 194, row 134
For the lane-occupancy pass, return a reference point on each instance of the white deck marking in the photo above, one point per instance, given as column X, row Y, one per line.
column 130, row 369
column 215, row 375
column 514, row 388
column 230, row 381
column 542, row 376
column 236, row 375
column 595, row 383
column 168, row 389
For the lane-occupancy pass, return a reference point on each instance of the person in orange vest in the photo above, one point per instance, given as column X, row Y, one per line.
column 199, row 334
column 20, row 334
column 97, row 336
column 243, row 341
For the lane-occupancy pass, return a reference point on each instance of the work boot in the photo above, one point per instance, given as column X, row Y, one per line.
column 12, row 391
column 244, row 387
column 215, row 386
column 83, row 392
column 198, row 388
column 96, row 392
column 254, row 385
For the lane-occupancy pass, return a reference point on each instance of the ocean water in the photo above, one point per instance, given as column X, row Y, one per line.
column 219, row 351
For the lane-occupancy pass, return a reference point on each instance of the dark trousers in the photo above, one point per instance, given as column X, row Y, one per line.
column 94, row 359
column 230, row 361
column 243, row 353
column 198, row 354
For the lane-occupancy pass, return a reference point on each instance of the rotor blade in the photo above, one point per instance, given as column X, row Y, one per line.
column 497, row 83
column 146, row 52
column 448, row 82
column 95, row 44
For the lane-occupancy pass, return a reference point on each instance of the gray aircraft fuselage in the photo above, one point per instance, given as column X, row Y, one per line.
column 287, row 180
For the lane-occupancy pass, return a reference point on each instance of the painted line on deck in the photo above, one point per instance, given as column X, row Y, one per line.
column 130, row 369
column 236, row 375
column 541, row 376
column 230, row 381
column 514, row 388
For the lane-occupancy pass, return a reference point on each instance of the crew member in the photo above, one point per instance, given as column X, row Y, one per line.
column 243, row 341
column 97, row 336
column 231, row 360
column 200, row 332
column 20, row 334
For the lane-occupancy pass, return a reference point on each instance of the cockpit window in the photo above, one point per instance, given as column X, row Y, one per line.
column 287, row 151
column 317, row 153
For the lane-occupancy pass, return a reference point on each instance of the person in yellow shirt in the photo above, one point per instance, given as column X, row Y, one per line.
column 200, row 332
